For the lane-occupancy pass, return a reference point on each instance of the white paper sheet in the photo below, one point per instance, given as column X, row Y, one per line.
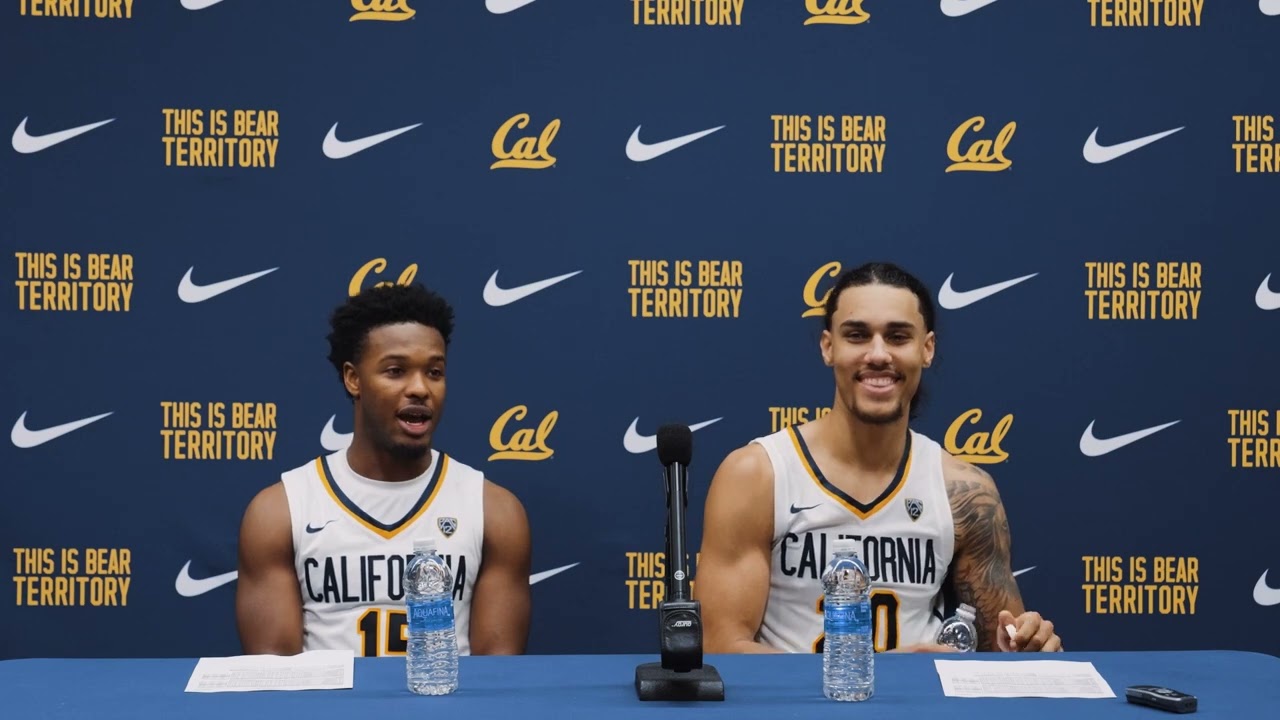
column 315, row 670
column 1021, row 678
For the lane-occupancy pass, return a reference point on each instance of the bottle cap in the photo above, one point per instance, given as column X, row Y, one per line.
column 424, row 545
column 845, row 545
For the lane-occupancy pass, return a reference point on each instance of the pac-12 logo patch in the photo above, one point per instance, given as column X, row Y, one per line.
column 447, row 525
column 914, row 508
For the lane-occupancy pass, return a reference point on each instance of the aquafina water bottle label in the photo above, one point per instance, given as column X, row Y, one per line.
column 846, row 618
column 431, row 616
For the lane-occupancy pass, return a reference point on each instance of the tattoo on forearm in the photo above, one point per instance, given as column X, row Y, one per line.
column 983, row 576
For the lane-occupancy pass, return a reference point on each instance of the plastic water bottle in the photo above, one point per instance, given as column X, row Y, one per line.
column 960, row 631
column 431, row 664
column 848, row 652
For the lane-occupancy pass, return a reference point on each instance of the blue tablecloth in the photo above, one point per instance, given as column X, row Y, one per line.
column 1228, row 684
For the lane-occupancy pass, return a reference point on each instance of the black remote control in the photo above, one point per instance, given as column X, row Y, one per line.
column 1162, row 698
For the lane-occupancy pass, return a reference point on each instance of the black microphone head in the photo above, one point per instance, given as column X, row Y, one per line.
column 675, row 444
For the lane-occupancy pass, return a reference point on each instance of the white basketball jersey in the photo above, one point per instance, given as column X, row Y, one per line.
column 353, row 536
column 906, row 537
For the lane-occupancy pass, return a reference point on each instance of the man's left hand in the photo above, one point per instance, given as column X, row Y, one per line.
column 1032, row 633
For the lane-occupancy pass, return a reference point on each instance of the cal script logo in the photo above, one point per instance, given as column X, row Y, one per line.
column 531, row 152
column 981, row 447
column 983, row 155
column 388, row 10
column 835, row 12
column 377, row 265
column 812, row 300
column 525, row 443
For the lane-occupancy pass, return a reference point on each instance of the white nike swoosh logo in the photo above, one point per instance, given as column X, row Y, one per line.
column 1264, row 594
column 24, row 438
column 641, row 152
column 636, row 443
column 188, row 586
column 497, row 297
column 193, row 293
column 500, row 7
column 26, row 144
column 1269, row 7
column 332, row 440
column 952, row 300
column 1023, row 570
column 536, row 578
column 1098, row 154
column 956, row 8
column 1093, row 447
column 1266, row 299
column 199, row 4
column 336, row 149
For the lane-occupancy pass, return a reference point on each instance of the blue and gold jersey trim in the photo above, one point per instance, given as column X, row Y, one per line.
column 863, row 511
column 385, row 530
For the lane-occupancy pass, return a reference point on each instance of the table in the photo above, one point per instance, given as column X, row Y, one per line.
column 1229, row 684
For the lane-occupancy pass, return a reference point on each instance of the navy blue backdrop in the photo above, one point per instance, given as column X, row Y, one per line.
column 1089, row 187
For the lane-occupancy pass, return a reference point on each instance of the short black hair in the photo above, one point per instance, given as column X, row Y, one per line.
column 884, row 273
column 881, row 273
column 376, row 306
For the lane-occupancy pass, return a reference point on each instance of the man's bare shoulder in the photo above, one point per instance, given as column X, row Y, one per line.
column 501, row 505
column 746, row 468
column 964, row 478
column 270, row 505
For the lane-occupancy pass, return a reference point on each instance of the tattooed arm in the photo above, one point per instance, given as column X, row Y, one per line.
column 981, row 571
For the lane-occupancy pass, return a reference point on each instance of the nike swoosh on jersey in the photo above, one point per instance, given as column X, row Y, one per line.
column 190, row 292
column 313, row 530
column 1094, row 447
column 956, row 8
column 497, row 297
column 24, row 438
column 331, row 439
column 1265, row 299
column 1264, row 594
column 1098, row 154
column 1269, row 7
column 1023, row 570
column 501, row 7
column 536, row 578
column 636, row 443
column 199, row 4
column 795, row 509
column 27, row 144
column 188, row 586
column 641, row 152
column 953, row 300
column 336, row 149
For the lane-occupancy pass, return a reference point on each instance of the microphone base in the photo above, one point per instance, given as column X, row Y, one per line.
column 654, row 682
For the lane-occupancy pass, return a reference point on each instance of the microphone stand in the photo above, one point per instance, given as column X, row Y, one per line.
column 681, row 675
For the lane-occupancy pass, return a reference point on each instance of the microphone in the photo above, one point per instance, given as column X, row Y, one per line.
column 681, row 675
